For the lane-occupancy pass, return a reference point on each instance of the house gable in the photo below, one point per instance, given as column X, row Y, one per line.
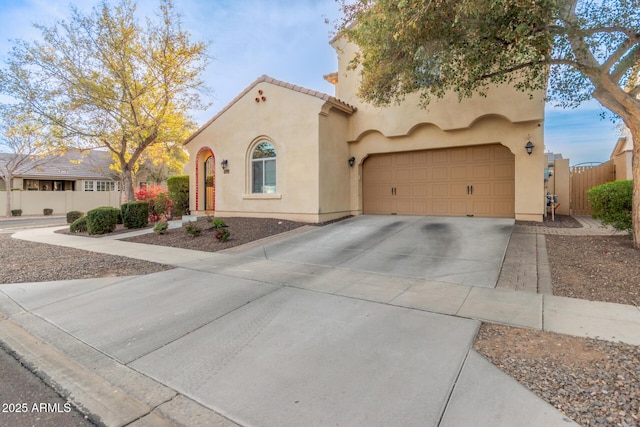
column 330, row 101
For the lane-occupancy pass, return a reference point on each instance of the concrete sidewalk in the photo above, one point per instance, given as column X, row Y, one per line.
column 185, row 353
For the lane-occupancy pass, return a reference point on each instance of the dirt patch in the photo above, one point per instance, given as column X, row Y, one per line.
column 595, row 383
column 243, row 230
column 595, row 268
column 560, row 221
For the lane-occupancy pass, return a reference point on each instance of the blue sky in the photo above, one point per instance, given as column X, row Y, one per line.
column 288, row 40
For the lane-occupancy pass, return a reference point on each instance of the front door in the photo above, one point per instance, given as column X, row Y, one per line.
column 209, row 184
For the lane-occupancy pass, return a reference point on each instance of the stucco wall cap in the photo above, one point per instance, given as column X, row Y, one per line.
column 343, row 106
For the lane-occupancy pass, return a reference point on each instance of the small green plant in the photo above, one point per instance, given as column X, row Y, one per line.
column 192, row 229
column 73, row 215
column 218, row 223
column 16, row 212
column 161, row 227
column 47, row 211
column 222, row 234
column 79, row 225
column 611, row 203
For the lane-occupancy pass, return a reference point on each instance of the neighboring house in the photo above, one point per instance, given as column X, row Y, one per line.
column 280, row 150
column 73, row 170
column 622, row 157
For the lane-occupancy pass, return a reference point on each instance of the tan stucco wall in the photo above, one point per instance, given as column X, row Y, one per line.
column 289, row 120
column 335, row 172
column 504, row 116
column 622, row 164
column 33, row 202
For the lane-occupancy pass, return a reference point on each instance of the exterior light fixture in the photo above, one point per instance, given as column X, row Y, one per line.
column 352, row 161
column 224, row 163
column 529, row 147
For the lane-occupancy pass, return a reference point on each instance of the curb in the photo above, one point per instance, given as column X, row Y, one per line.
column 107, row 392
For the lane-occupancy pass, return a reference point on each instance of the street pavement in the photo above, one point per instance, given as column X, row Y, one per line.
column 274, row 336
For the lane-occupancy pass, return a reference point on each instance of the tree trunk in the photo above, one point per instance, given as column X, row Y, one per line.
column 634, row 127
column 127, row 182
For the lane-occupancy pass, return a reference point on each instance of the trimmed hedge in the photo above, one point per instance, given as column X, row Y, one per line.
column 16, row 212
column 102, row 220
column 135, row 214
column 179, row 193
column 612, row 203
column 74, row 215
column 79, row 225
column 47, row 211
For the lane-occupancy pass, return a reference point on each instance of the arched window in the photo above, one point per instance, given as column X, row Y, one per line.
column 263, row 168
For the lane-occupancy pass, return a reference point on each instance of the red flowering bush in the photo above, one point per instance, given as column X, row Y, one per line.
column 159, row 202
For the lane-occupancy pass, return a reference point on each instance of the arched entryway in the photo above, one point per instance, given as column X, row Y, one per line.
column 206, row 180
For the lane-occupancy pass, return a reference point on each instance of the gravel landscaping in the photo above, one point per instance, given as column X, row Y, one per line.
column 595, row 383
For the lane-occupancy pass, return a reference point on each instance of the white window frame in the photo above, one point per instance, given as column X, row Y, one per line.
column 100, row 185
column 266, row 189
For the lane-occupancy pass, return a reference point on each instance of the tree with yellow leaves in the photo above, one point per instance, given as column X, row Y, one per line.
column 105, row 80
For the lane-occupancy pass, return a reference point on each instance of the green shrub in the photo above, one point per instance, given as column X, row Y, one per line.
column 47, row 211
column 79, row 225
column 161, row 206
column 73, row 215
column 218, row 223
column 222, row 234
column 161, row 227
column 192, row 229
column 102, row 220
column 135, row 214
column 179, row 193
column 16, row 212
column 611, row 203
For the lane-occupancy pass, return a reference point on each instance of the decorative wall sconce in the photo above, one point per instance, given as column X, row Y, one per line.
column 352, row 161
column 529, row 147
column 224, row 164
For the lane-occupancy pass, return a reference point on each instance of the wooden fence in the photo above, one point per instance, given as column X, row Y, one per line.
column 582, row 179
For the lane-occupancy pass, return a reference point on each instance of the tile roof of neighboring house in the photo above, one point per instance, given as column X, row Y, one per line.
column 92, row 164
column 264, row 78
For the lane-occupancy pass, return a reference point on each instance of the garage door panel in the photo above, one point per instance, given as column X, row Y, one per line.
column 503, row 208
column 459, row 172
column 440, row 173
column 440, row 189
column 481, row 154
column 500, row 152
column 458, row 189
column 456, row 181
column 481, row 171
column 458, row 155
column 503, row 171
column 439, row 157
column 482, row 189
column 458, row 207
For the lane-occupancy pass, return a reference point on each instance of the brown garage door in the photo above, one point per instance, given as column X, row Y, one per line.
column 462, row 181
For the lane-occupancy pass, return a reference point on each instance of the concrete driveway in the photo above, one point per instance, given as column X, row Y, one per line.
column 447, row 249
column 230, row 333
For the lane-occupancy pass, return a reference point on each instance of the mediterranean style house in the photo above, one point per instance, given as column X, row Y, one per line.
column 283, row 151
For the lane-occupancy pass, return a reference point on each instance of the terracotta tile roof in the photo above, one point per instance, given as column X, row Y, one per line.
column 335, row 102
